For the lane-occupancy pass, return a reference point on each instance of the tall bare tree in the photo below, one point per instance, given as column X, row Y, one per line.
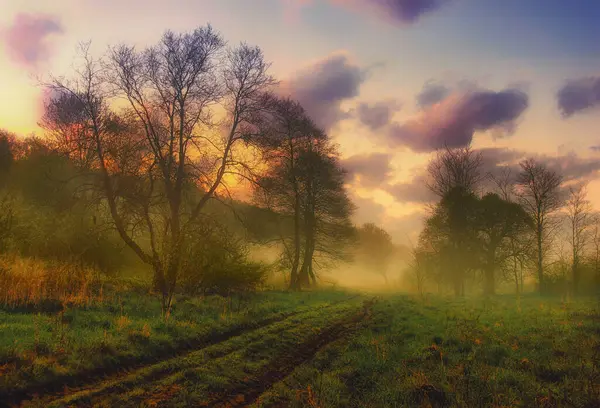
column 459, row 167
column 595, row 253
column 579, row 213
column 538, row 191
column 165, row 156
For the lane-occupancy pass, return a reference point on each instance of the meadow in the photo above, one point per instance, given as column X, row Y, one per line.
column 309, row 349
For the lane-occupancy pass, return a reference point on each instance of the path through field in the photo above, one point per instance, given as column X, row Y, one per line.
column 231, row 372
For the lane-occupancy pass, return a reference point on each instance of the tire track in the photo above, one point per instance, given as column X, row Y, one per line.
column 280, row 368
column 98, row 386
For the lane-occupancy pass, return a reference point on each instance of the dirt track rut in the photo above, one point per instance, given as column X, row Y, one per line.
column 99, row 385
column 247, row 393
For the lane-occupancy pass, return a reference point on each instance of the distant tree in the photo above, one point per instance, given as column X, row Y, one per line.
column 538, row 191
column 165, row 157
column 503, row 229
column 579, row 213
column 451, row 234
column 375, row 248
column 458, row 167
column 6, row 155
column 595, row 252
column 504, row 185
column 418, row 267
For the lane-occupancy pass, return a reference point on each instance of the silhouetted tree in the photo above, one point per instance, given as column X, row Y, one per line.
column 375, row 248
column 165, row 157
column 503, row 229
column 284, row 133
column 458, row 167
column 326, row 208
column 451, row 234
column 538, row 191
column 579, row 213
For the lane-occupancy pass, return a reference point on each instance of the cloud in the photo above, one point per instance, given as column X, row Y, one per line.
column 453, row 121
column 323, row 86
column 431, row 94
column 372, row 170
column 578, row 95
column 26, row 39
column 377, row 115
column 415, row 191
column 396, row 11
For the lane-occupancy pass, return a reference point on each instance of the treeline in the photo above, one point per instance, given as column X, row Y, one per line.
column 508, row 226
column 141, row 149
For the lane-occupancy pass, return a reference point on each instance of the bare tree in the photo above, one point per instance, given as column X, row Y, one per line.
column 504, row 184
column 165, row 156
column 538, row 191
column 595, row 253
column 451, row 168
column 579, row 213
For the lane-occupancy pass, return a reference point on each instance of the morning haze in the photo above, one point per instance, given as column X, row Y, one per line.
column 303, row 203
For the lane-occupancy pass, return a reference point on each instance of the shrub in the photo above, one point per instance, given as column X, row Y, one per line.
column 26, row 282
column 218, row 263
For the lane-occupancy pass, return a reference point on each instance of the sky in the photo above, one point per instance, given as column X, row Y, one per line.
column 390, row 80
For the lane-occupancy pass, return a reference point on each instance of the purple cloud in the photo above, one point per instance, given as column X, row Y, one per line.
column 26, row 38
column 415, row 191
column 377, row 115
column 453, row 121
column 373, row 170
column 322, row 87
column 398, row 11
column 431, row 94
column 579, row 95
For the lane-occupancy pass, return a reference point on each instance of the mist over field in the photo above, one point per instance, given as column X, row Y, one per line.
column 299, row 203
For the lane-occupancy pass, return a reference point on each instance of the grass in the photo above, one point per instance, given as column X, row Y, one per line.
column 302, row 350
column 41, row 350
column 448, row 353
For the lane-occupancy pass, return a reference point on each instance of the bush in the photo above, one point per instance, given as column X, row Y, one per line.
column 217, row 263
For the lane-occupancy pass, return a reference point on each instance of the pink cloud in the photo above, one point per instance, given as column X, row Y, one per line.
column 395, row 11
column 453, row 121
column 322, row 86
column 26, row 39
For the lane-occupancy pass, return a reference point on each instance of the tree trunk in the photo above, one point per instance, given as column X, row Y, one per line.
column 540, row 261
column 489, row 285
column 458, row 287
column 576, row 275
column 296, row 261
column 516, row 276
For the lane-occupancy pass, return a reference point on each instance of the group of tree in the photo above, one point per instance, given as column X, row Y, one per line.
column 504, row 231
column 156, row 136
column 303, row 185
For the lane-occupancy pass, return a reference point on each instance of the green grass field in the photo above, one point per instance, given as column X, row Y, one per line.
column 315, row 349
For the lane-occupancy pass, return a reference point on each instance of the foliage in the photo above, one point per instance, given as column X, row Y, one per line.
column 218, row 264
column 158, row 163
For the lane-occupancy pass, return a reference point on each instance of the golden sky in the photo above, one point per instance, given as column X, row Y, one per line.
column 360, row 67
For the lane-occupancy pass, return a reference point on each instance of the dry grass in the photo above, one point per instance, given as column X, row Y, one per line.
column 32, row 282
